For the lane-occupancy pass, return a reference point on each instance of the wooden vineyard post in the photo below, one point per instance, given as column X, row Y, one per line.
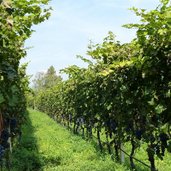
column 122, row 154
column 1, row 123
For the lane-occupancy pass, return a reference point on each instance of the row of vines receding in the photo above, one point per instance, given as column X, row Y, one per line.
column 16, row 20
column 125, row 92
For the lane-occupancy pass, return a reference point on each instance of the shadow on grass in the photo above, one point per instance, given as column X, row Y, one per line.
column 25, row 155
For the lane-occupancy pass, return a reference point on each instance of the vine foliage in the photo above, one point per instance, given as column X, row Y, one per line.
column 125, row 91
column 16, row 20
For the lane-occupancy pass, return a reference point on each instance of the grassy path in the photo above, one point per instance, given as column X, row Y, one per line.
column 47, row 146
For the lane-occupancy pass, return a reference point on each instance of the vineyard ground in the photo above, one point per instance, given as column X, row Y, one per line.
column 140, row 154
column 47, row 146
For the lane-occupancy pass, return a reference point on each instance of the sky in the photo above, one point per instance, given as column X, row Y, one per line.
column 73, row 23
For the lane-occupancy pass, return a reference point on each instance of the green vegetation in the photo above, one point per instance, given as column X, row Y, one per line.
column 124, row 95
column 124, row 92
column 16, row 21
column 47, row 146
column 44, row 80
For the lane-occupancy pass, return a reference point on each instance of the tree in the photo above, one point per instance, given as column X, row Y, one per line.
column 51, row 78
column 38, row 82
column 45, row 80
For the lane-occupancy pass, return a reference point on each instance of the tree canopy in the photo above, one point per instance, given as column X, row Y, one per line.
column 45, row 80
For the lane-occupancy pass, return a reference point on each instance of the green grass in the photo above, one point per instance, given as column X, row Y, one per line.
column 47, row 146
column 141, row 154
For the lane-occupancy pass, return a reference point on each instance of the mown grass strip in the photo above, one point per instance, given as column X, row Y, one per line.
column 47, row 146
